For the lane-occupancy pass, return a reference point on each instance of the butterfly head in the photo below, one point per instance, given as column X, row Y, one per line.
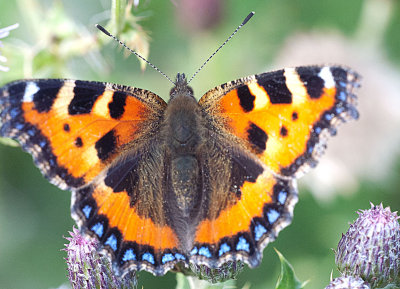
column 181, row 87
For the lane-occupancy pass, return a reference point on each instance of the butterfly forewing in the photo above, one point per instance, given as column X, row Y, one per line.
column 283, row 117
column 74, row 129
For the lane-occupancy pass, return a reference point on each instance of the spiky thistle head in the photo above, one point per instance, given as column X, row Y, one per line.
column 371, row 247
column 89, row 269
column 348, row 282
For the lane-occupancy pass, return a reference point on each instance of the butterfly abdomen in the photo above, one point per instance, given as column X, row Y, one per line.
column 183, row 136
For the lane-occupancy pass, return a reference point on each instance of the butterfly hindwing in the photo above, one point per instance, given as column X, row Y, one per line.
column 245, row 212
column 125, row 210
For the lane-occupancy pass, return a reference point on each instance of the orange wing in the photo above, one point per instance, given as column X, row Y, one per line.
column 283, row 117
column 74, row 129
column 135, row 233
column 273, row 127
column 93, row 138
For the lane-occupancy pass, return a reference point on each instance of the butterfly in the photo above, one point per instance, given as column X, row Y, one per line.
column 186, row 182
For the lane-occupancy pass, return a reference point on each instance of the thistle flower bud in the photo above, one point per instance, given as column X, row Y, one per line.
column 371, row 247
column 227, row 271
column 348, row 282
column 88, row 269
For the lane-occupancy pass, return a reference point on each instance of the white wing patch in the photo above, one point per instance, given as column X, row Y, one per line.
column 30, row 90
column 327, row 76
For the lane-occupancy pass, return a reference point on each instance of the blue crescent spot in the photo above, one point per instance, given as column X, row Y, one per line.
column 148, row 257
column 328, row 116
column 86, row 211
column 204, row 251
column 167, row 258
column 179, row 256
column 317, row 130
column 19, row 126
column 98, row 229
column 14, row 112
column 31, row 132
column 129, row 255
column 282, row 197
column 194, row 251
column 42, row 143
column 112, row 242
column 342, row 96
column 243, row 245
column 272, row 216
column 224, row 248
column 259, row 231
column 339, row 109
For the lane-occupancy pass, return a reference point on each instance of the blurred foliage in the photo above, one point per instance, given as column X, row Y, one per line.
column 58, row 39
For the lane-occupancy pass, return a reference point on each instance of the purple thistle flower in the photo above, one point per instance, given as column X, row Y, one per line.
column 88, row 269
column 371, row 247
column 348, row 282
column 227, row 271
column 4, row 32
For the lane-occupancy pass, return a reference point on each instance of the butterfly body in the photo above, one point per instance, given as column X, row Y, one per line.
column 187, row 182
column 184, row 142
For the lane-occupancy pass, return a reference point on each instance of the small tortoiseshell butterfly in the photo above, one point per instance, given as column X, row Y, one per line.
column 194, row 182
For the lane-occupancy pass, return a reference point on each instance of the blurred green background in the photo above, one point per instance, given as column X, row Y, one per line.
column 58, row 39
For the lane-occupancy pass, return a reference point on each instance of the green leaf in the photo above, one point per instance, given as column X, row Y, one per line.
column 181, row 281
column 192, row 282
column 8, row 142
column 287, row 278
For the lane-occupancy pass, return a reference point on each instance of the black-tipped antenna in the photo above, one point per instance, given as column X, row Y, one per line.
column 229, row 38
column 102, row 29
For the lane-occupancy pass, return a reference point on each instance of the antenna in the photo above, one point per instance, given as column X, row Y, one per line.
column 102, row 29
column 229, row 38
